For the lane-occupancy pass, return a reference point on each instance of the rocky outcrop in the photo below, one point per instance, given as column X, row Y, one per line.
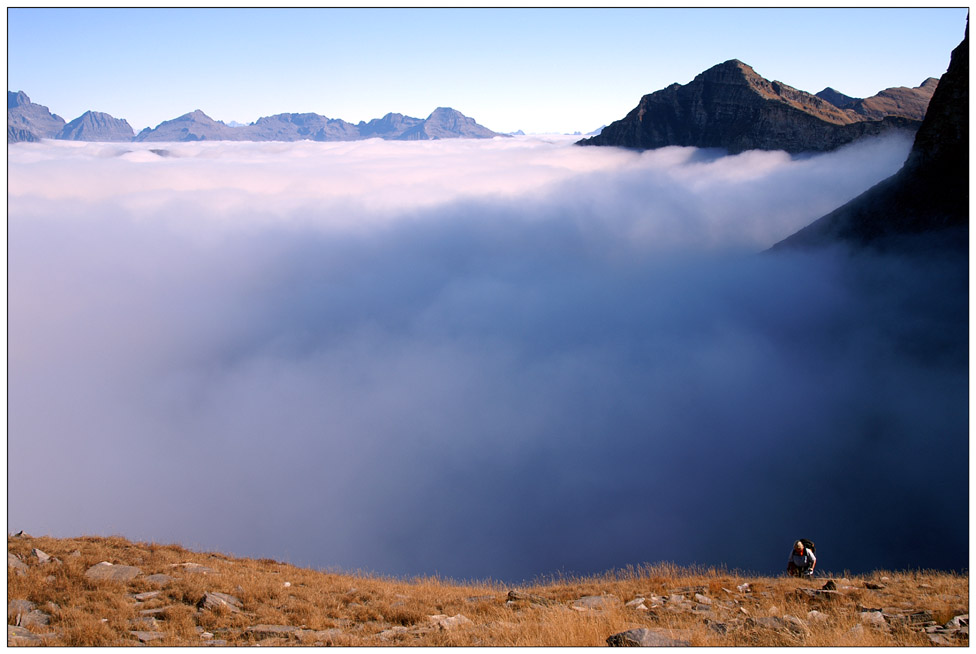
column 96, row 126
column 390, row 126
column 730, row 106
column 27, row 121
column 928, row 197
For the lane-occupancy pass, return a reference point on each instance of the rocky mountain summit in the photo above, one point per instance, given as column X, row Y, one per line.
column 732, row 107
column 96, row 126
column 103, row 592
column 928, row 197
column 27, row 121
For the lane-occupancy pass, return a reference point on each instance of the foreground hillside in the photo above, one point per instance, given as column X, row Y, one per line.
column 109, row 591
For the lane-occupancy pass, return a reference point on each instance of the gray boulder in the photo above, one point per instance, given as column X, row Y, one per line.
column 217, row 601
column 106, row 571
column 19, row 566
column 643, row 637
column 596, row 603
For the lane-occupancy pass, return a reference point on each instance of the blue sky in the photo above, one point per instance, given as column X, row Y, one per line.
column 538, row 70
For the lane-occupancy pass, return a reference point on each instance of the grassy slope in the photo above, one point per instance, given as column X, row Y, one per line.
column 357, row 610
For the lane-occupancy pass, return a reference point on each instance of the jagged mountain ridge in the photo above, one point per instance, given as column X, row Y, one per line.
column 928, row 197
column 27, row 121
column 732, row 107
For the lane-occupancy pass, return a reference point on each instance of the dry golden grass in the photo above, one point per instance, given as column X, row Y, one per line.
column 299, row 606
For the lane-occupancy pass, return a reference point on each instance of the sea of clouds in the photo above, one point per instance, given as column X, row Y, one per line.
column 501, row 358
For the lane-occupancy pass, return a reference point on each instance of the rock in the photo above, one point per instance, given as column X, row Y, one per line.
column 646, row 638
column 870, row 585
column 939, row 639
column 958, row 622
column 147, row 636
column 446, row 623
column 796, row 625
column 148, row 595
column 874, row 619
column 41, row 556
column 193, row 568
column 18, row 636
column 744, row 588
column 144, row 624
column 18, row 566
column 768, row 622
column 159, row 579
column 106, row 571
column 637, row 603
column 519, row 596
column 18, row 607
column 817, row 616
column 268, row 630
column 595, row 603
column 701, row 599
column 730, row 106
column 217, row 601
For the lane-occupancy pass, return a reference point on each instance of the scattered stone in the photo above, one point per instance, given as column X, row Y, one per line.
column 939, row 639
column 701, row 599
column 874, row 619
column 744, row 588
column 148, row 595
column 519, row 596
column 797, row 626
column 159, row 579
column 817, row 616
column 41, row 557
column 145, row 624
column 637, row 603
column 269, row 630
column 216, row 601
column 21, row 636
column 19, row 566
column 596, row 603
column 152, row 612
column 106, row 571
column 75, row 554
column 646, row 638
column 446, row 623
column 958, row 622
column 720, row 628
column 287, row 584
column 19, row 606
column 767, row 622
column 193, row 568
column 147, row 636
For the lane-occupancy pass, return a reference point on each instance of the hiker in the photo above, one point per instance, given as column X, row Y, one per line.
column 802, row 560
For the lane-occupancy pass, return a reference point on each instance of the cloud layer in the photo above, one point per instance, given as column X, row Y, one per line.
column 504, row 358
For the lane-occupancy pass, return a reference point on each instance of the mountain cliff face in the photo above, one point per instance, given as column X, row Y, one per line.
column 730, row 106
column 837, row 98
column 899, row 101
column 96, row 126
column 27, row 121
column 928, row 197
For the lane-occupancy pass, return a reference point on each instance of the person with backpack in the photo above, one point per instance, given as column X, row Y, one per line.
column 802, row 560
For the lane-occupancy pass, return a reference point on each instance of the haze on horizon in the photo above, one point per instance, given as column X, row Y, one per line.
column 502, row 358
column 536, row 70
